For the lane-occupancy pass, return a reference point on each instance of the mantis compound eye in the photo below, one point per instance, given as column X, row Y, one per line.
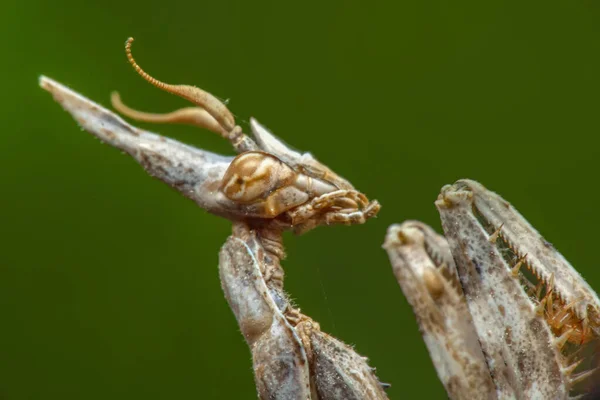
column 254, row 175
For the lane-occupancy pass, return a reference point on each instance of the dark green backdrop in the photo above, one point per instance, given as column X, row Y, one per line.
column 108, row 279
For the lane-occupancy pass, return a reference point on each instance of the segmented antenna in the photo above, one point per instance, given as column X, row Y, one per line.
column 191, row 93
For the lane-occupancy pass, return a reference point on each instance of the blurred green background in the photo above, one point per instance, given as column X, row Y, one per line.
column 108, row 279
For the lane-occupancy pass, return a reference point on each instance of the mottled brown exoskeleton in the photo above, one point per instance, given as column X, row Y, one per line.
column 503, row 314
column 266, row 189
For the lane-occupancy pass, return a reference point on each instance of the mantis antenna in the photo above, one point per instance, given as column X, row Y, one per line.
column 193, row 94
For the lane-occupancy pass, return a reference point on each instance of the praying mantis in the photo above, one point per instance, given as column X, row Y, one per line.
column 503, row 314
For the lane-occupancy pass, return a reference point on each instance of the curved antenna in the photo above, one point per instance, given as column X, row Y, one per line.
column 191, row 93
column 195, row 116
